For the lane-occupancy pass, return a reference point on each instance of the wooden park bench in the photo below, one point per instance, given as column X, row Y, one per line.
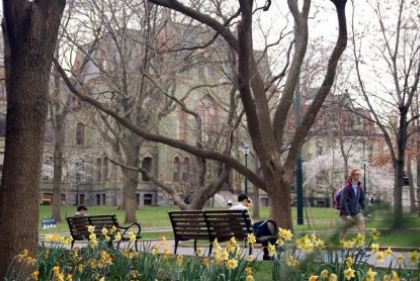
column 216, row 224
column 78, row 226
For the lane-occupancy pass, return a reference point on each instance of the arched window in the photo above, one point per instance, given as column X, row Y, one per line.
column 147, row 165
column 186, row 170
column 209, row 112
column 80, row 134
column 176, row 168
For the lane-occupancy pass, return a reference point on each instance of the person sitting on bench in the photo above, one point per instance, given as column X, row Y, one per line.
column 260, row 228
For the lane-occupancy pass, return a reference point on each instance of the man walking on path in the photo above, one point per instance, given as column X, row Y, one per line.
column 352, row 203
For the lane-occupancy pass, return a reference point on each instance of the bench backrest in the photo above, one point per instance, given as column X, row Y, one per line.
column 78, row 225
column 225, row 224
column 103, row 221
column 189, row 225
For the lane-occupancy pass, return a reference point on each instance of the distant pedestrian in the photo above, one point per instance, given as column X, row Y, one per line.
column 352, row 203
column 81, row 211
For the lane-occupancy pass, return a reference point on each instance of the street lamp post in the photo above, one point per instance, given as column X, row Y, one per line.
column 246, row 152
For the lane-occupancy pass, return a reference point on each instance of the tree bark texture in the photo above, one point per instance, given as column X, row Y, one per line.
column 30, row 33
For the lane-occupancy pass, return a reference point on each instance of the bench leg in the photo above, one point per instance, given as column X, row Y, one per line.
column 195, row 247
column 176, row 246
column 210, row 248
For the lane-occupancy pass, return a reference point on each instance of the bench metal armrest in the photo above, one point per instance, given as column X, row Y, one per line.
column 134, row 226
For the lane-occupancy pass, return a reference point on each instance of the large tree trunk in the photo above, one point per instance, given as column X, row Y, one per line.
column 131, row 177
column 30, row 33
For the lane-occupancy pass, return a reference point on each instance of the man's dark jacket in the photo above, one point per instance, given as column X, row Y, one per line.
column 351, row 204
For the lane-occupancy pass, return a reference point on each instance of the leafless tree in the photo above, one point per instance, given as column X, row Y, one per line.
column 394, row 61
column 30, row 31
column 267, row 134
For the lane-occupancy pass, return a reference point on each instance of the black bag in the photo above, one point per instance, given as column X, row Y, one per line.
column 261, row 228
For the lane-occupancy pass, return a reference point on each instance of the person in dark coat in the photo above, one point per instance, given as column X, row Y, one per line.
column 352, row 204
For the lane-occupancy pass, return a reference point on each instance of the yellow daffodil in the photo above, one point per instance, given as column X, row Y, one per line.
column 375, row 247
column 272, row 250
column 93, row 243
column 380, row 256
column 35, row 275
column 249, row 278
column 217, row 257
column 370, row 275
column 349, row 261
column 114, row 229
column 292, row 262
column 319, row 244
column 155, row 250
column 80, row 267
column 324, row 274
column 349, row 273
column 179, row 260
column 248, row 270
column 93, row 263
column 285, row 234
column 374, row 234
column 206, row 261
column 91, row 228
column 400, row 259
column 251, row 239
column 164, row 240
column 117, row 237
column 104, row 231
column 69, row 277
column 200, row 251
column 388, row 251
column 280, row 242
column 166, row 253
column 413, row 257
column 56, row 269
column 386, row 277
column 313, row 278
column 249, row 258
column 360, row 240
column 333, row 277
column 22, row 255
column 231, row 264
column 394, row 276
column 30, row 261
column 131, row 236
column 224, row 255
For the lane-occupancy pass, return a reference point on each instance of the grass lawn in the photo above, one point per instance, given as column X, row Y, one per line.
column 324, row 220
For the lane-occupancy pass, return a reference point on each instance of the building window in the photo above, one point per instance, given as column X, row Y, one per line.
column 208, row 109
column 182, row 125
column 105, row 169
column 176, row 168
column 80, row 134
column 99, row 170
column 186, row 170
column 147, row 199
column 147, row 165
